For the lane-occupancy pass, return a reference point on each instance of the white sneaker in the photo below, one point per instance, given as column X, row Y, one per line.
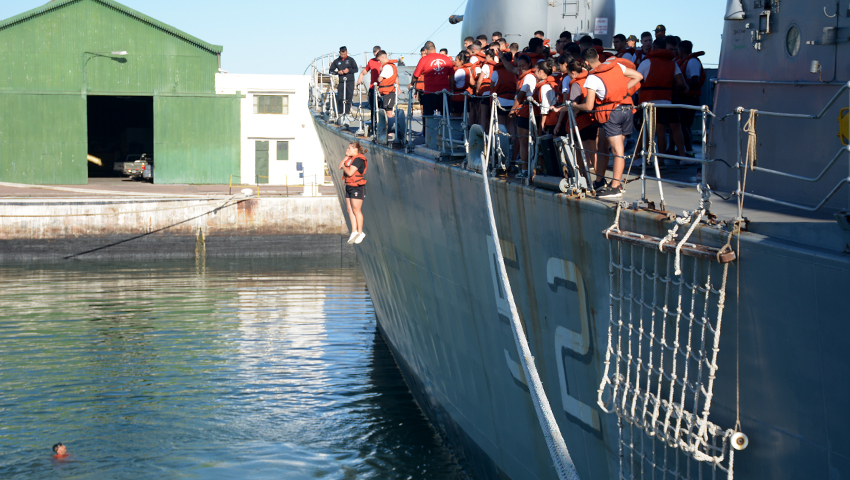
column 360, row 238
column 353, row 237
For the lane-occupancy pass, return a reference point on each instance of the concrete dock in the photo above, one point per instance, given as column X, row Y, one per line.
column 119, row 219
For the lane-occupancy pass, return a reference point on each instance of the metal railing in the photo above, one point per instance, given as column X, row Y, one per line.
column 645, row 149
column 748, row 161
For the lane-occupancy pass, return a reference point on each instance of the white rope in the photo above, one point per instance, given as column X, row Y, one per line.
column 554, row 440
column 694, row 224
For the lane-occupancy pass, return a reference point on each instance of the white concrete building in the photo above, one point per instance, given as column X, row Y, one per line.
column 279, row 142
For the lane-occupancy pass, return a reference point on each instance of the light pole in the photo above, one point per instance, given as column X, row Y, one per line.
column 89, row 55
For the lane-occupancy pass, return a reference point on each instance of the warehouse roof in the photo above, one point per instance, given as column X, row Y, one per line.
column 56, row 4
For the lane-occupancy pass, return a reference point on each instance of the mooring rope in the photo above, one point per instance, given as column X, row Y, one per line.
column 554, row 440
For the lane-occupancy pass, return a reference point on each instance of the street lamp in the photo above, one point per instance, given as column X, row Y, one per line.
column 90, row 55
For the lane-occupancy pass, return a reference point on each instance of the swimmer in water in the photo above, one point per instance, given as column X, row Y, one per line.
column 59, row 451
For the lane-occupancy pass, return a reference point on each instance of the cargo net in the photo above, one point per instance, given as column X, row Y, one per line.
column 661, row 359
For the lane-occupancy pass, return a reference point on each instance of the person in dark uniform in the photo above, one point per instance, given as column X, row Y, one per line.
column 345, row 67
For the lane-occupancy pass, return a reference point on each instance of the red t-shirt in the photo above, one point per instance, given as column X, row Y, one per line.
column 437, row 70
column 374, row 68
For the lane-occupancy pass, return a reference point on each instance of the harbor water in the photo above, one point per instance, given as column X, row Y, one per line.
column 224, row 368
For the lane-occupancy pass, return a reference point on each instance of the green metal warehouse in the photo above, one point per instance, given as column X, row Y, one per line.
column 93, row 77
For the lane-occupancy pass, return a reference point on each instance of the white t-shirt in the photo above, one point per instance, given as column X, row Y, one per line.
column 460, row 78
column 386, row 71
column 503, row 102
column 643, row 69
column 548, row 97
column 473, row 60
column 595, row 83
column 529, row 82
column 692, row 69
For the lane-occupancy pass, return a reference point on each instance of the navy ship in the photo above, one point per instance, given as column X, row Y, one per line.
column 694, row 328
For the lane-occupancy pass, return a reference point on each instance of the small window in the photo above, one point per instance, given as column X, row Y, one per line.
column 271, row 104
column 792, row 41
column 283, row 150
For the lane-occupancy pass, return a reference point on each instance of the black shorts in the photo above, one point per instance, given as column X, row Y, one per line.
column 456, row 108
column 431, row 102
column 523, row 122
column 666, row 116
column 620, row 122
column 388, row 101
column 357, row 193
column 589, row 132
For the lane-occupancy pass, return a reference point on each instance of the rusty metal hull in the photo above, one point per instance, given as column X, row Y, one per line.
column 430, row 270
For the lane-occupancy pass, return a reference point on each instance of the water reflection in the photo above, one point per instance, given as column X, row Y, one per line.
column 242, row 368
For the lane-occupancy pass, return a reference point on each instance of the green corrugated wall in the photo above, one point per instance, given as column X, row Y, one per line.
column 44, row 51
column 189, row 131
column 43, row 139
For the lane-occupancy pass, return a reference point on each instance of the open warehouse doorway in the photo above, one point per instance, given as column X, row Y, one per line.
column 119, row 129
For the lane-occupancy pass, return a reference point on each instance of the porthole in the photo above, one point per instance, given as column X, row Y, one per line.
column 792, row 41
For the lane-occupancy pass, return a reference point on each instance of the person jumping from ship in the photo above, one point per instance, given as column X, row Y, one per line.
column 353, row 167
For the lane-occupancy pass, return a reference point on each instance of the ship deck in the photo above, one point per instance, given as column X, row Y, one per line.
column 819, row 230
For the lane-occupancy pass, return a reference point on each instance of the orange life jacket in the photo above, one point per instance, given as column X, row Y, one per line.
column 551, row 116
column 523, row 109
column 627, row 64
column 357, row 179
column 387, row 85
column 683, row 64
column 506, row 83
column 467, row 82
column 616, row 90
column 482, row 57
column 658, row 84
column 583, row 119
column 486, row 82
column 639, row 56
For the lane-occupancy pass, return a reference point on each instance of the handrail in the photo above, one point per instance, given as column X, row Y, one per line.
column 449, row 145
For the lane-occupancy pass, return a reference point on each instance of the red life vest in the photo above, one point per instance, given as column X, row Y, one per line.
column 616, row 90
column 506, row 83
column 467, row 82
column 551, row 116
column 486, row 82
column 357, row 179
column 583, row 119
column 630, row 51
column 535, row 57
column 387, row 85
column 639, row 56
column 523, row 109
column 482, row 57
column 658, row 84
column 683, row 65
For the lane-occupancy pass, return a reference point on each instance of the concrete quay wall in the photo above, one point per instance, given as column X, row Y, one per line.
column 40, row 228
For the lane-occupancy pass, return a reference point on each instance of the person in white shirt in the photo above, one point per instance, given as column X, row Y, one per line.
column 527, row 84
column 693, row 74
column 548, row 97
column 388, row 100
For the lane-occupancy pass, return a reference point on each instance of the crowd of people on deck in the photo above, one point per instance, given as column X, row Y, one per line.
column 602, row 86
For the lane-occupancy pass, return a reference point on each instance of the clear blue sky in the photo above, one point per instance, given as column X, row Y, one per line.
column 281, row 37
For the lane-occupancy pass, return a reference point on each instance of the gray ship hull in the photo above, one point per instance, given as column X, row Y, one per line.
column 431, row 275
